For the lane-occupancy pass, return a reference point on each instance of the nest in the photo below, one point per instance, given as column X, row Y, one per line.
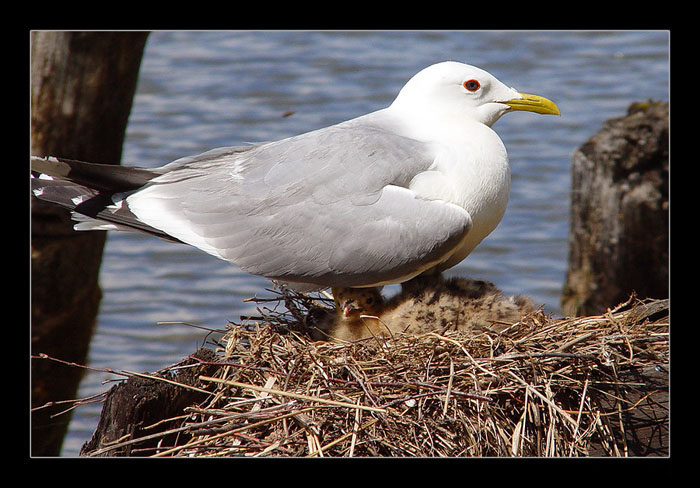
column 541, row 387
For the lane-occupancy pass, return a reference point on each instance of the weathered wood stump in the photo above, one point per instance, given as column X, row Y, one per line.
column 618, row 241
column 643, row 430
column 82, row 86
column 137, row 408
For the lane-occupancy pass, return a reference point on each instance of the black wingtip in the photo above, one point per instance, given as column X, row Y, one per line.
column 102, row 177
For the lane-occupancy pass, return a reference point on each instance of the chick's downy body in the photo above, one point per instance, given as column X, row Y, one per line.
column 465, row 305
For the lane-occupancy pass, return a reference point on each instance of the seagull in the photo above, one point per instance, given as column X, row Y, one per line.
column 379, row 199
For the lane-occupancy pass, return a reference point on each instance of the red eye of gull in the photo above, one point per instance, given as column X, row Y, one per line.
column 471, row 85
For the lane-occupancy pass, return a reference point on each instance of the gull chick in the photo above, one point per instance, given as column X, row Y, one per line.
column 465, row 305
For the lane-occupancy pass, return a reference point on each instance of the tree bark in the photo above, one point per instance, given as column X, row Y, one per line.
column 644, row 430
column 618, row 241
column 133, row 406
column 82, row 87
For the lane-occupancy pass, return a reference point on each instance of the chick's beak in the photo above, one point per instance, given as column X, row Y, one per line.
column 349, row 307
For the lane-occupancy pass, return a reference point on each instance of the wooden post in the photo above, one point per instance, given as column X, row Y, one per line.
column 132, row 407
column 82, row 86
column 618, row 242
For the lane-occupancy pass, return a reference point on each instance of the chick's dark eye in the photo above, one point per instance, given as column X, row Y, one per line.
column 471, row 85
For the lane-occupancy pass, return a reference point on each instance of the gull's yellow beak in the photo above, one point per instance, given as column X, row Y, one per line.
column 533, row 103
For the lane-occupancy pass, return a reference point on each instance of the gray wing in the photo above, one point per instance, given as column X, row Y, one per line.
column 329, row 207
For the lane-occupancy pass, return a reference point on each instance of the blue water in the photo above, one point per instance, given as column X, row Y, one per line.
column 199, row 90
